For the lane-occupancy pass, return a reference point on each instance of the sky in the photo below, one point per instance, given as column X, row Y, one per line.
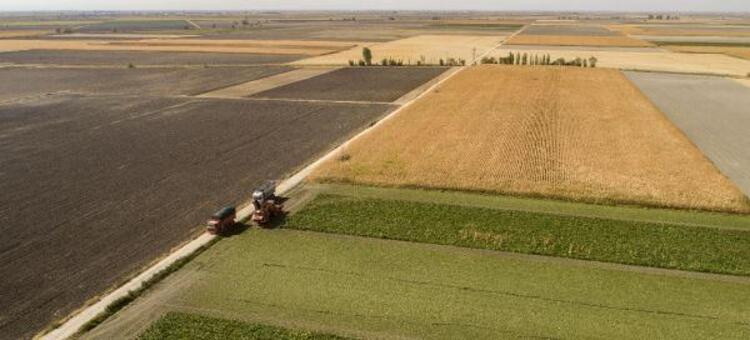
column 549, row 5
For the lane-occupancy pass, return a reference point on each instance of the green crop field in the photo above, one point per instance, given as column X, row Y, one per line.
column 370, row 288
column 179, row 326
column 665, row 244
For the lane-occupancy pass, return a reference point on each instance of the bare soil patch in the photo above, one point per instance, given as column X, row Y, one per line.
column 713, row 113
column 179, row 45
column 569, row 133
column 22, row 82
column 73, row 57
column 94, row 188
column 358, row 84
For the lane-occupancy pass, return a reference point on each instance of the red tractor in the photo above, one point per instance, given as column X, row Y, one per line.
column 222, row 222
column 266, row 205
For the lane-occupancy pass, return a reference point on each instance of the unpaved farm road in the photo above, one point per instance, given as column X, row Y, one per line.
column 713, row 112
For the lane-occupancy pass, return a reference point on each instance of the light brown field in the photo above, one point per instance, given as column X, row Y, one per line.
column 23, row 33
column 572, row 40
column 677, row 31
column 311, row 48
column 431, row 47
column 739, row 52
column 717, row 64
column 569, row 133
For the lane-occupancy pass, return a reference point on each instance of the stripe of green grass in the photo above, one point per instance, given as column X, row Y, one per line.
column 186, row 326
column 588, row 238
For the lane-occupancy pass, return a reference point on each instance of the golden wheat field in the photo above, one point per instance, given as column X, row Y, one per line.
column 570, row 133
column 739, row 52
column 573, row 40
column 310, row 48
column 717, row 64
column 426, row 48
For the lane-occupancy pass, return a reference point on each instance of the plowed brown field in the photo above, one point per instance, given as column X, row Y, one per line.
column 576, row 134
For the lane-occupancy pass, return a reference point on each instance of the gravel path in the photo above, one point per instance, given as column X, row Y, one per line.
column 712, row 111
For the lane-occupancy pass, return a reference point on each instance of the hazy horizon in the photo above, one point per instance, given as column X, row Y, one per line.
column 424, row 5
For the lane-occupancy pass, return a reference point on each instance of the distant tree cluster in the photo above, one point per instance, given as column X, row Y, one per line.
column 367, row 60
column 526, row 59
column 662, row 17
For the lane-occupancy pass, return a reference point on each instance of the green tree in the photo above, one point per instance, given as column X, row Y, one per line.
column 367, row 55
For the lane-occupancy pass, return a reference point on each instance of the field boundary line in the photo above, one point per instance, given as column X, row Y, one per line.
column 268, row 83
column 78, row 319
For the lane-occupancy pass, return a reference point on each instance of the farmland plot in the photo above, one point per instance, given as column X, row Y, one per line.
column 367, row 288
column 739, row 52
column 575, row 134
column 712, row 111
column 576, row 40
column 572, row 30
column 73, row 57
column 135, row 25
column 20, row 82
column 651, row 61
column 95, row 187
column 357, row 84
column 308, row 48
column 429, row 48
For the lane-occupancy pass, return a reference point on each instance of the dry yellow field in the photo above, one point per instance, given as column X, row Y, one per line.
column 572, row 40
column 717, row 64
column 570, row 133
column 739, row 52
column 431, row 47
column 677, row 31
column 300, row 47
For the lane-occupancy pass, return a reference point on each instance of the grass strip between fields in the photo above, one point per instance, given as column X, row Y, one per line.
column 663, row 245
column 186, row 326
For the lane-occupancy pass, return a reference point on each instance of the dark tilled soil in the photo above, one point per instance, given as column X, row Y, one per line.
column 23, row 82
column 92, row 188
column 140, row 58
column 384, row 84
column 568, row 30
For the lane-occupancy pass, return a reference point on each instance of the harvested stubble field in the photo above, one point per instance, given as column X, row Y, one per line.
column 684, row 30
column 739, row 52
column 181, row 45
column 577, row 40
column 345, row 286
column 95, row 187
column 22, row 33
column 23, row 84
column 411, row 50
column 717, row 64
column 683, row 40
column 572, row 30
column 358, row 84
column 135, row 26
column 713, row 112
column 73, row 57
column 568, row 133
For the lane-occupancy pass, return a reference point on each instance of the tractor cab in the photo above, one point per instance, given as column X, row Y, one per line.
column 265, row 204
column 222, row 221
